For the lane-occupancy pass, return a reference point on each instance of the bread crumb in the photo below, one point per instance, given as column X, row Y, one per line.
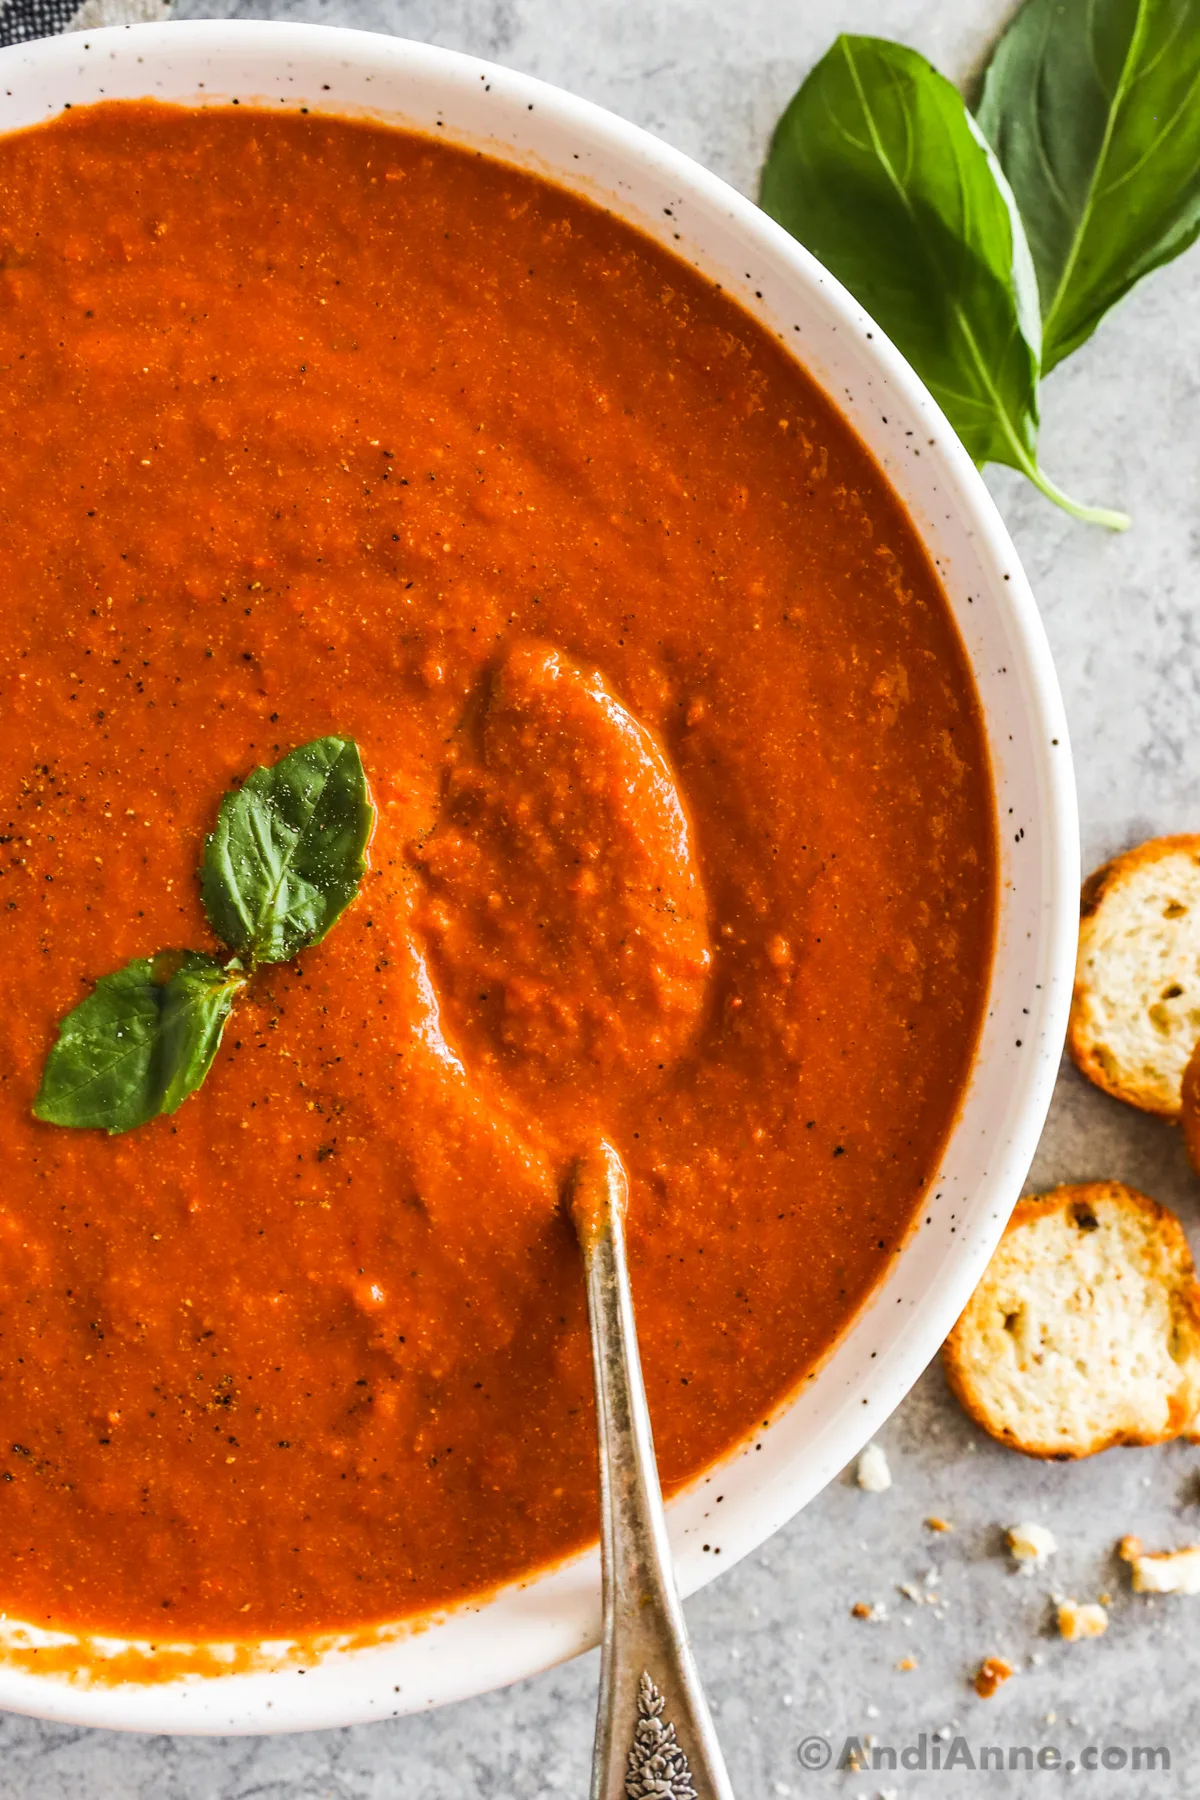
column 1031, row 1544
column 992, row 1673
column 870, row 1609
column 1162, row 1571
column 933, row 1523
column 873, row 1473
column 1081, row 1620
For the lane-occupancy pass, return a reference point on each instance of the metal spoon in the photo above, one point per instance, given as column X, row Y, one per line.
column 654, row 1735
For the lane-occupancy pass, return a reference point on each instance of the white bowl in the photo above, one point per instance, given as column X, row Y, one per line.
column 529, row 1626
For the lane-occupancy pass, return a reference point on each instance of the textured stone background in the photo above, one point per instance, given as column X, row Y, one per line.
column 781, row 1654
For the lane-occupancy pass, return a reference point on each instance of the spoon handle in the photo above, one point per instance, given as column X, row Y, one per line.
column 654, row 1734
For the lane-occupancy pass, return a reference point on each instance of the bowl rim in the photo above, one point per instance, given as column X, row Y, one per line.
column 537, row 1622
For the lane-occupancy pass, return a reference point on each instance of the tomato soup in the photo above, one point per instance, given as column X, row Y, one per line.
column 685, row 833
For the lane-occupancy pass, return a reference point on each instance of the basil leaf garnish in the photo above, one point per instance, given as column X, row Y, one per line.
column 142, row 1041
column 284, row 862
column 1094, row 112
column 878, row 167
column 289, row 851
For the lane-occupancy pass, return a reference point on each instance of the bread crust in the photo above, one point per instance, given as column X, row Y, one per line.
column 1086, row 1052
column 1189, row 1117
column 961, row 1365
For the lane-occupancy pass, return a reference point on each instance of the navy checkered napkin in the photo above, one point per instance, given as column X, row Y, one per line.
column 24, row 19
column 21, row 19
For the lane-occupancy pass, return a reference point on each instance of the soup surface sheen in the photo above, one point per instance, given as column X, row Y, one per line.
column 685, row 833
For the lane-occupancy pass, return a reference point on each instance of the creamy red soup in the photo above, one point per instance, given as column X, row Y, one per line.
column 685, row 833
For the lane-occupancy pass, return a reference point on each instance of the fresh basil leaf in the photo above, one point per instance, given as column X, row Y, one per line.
column 142, row 1041
column 875, row 167
column 289, row 851
column 285, row 860
column 1093, row 107
column 878, row 167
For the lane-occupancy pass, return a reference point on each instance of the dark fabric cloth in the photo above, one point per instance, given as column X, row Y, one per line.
column 22, row 19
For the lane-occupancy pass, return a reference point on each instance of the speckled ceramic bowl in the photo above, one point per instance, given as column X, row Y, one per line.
column 526, row 1627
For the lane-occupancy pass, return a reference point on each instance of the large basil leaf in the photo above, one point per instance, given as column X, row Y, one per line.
column 288, row 851
column 1093, row 107
column 142, row 1041
column 878, row 167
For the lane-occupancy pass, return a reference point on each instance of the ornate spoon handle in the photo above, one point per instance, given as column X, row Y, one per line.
column 654, row 1736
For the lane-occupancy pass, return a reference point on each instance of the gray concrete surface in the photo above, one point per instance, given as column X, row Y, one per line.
column 783, row 1657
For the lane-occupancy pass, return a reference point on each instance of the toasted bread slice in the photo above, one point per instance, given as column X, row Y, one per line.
column 1085, row 1330
column 1135, row 1016
column 1190, row 1122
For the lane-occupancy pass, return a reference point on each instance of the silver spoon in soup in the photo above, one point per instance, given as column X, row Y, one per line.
column 654, row 1732
column 568, row 926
